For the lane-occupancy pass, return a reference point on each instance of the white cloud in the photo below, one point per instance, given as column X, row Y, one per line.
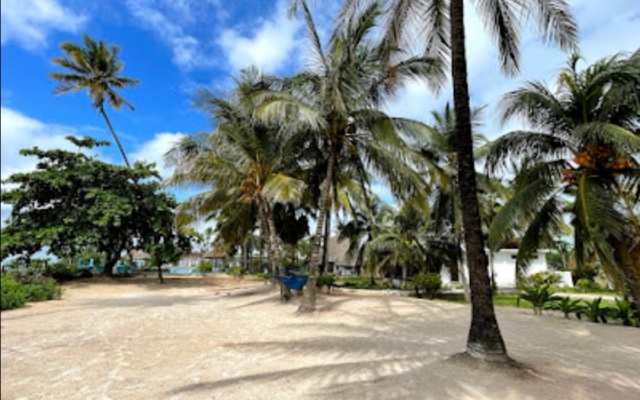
column 187, row 50
column 270, row 47
column 29, row 22
column 18, row 132
column 154, row 150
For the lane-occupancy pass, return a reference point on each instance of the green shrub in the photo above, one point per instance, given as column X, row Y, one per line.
column 62, row 272
column 594, row 311
column 237, row 272
column 538, row 296
column 625, row 313
column 566, row 305
column 12, row 293
column 543, row 278
column 429, row 284
column 358, row 282
column 27, row 276
column 46, row 289
column 586, row 285
column 327, row 280
column 264, row 276
column 204, row 267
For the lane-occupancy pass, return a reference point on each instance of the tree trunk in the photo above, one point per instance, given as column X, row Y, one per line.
column 327, row 234
column 308, row 303
column 109, row 263
column 160, row 278
column 274, row 251
column 484, row 340
column 115, row 137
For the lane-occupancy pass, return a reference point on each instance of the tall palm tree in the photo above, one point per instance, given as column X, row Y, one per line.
column 338, row 96
column 583, row 148
column 243, row 163
column 439, row 24
column 94, row 66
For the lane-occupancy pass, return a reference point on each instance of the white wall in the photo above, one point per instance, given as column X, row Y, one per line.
column 504, row 268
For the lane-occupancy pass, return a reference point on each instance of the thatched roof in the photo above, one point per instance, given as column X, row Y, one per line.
column 140, row 255
column 338, row 253
column 213, row 254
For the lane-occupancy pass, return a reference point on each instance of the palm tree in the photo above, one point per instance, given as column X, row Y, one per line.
column 583, row 153
column 245, row 163
column 338, row 97
column 440, row 25
column 94, row 67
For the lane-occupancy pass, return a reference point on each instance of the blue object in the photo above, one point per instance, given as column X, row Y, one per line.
column 182, row 270
column 293, row 282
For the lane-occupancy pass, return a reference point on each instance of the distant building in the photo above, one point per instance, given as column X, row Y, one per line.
column 340, row 262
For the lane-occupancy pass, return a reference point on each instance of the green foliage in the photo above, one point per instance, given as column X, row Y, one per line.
column 586, row 285
column 114, row 208
column 566, row 305
column 543, row 278
column 62, row 271
column 327, row 280
column 44, row 289
column 204, row 267
column 358, row 282
column 538, row 296
column 625, row 313
column 237, row 272
column 429, row 284
column 594, row 311
column 264, row 276
column 12, row 293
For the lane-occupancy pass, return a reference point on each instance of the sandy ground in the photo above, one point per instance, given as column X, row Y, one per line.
column 214, row 338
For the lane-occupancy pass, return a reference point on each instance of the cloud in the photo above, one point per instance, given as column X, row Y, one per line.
column 19, row 131
column 153, row 151
column 166, row 23
column 29, row 22
column 271, row 46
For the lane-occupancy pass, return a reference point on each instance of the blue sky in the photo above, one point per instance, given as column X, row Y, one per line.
column 175, row 46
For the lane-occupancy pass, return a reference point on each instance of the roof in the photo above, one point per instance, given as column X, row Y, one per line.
column 140, row 255
column 338, row 252
column 214, row 254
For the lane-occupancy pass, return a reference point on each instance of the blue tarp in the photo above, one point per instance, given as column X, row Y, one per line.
column 293, row 282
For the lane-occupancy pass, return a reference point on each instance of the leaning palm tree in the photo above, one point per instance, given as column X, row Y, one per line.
column 95, row 67
column 582, row 154
column 440, row 26
column 244, row 164
column 338, row 97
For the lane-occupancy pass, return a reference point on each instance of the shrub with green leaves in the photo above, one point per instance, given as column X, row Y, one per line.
column 538, row 296
column 594, row 311
column 586, row 285
column 428, row 284
column 543, row 278
column 62, row 271
column 12, row 293
column 45, row 289
column 204, row 267
column 625, row 313
column 566, row 305
column 237, row 272
column 327, row 280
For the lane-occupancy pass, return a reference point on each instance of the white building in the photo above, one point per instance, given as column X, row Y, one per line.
column 503, row 268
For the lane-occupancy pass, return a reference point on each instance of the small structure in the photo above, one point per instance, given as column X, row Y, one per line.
column 502, row 268
column 216, row 257
column 340, row 262
column 140, row 258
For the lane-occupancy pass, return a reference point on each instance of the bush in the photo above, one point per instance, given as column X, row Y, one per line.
column 566, row 305
column 237, row 272
column 204, row 267
column 543, row 278
column 357, row 282
column 264, row 276
column 327, row 280
column 586, row 285
column 429, row 284
column 625, row 313
column 62, row 272
column 594, row 311
column 46, row 289
column 27, row 276
column 538, row 296
column 12, row 293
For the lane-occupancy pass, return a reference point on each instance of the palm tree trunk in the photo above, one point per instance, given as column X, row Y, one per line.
column 115, row 137
column 308, row 303
column 327, row 233
column 484, row 340
column 274, row 250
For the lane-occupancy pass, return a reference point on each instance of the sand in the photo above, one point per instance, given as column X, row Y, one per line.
column 217, row 338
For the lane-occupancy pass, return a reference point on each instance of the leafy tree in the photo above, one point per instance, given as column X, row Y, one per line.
column 338, row 98
column 94, row 66
column 72, row 201
column 583, row 147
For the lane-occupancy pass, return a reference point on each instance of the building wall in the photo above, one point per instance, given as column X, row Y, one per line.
column 504, row 268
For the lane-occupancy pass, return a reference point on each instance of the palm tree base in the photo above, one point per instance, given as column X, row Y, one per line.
column 490, row 360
